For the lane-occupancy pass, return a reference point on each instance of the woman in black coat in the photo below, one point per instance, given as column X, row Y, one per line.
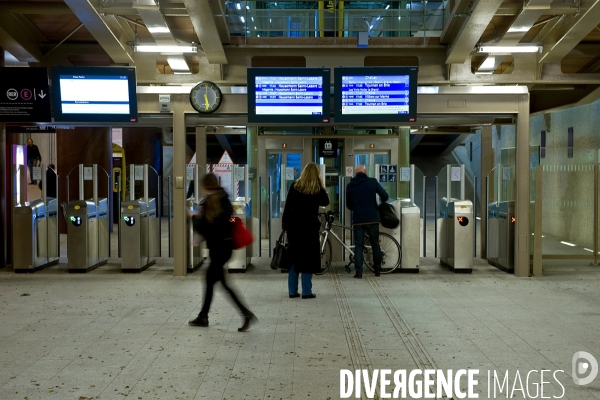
column 301, row 221
column 215, row 225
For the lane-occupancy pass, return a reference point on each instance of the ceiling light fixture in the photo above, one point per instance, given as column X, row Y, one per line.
column 491, row 49
column 162, row 48
column 158, row 29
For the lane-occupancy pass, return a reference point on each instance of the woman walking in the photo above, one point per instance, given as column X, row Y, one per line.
column 301, row 221
column 215, row 225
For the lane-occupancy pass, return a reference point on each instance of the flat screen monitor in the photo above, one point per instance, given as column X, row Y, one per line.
column 375, row 94
column 94, row 94
column 281, row 95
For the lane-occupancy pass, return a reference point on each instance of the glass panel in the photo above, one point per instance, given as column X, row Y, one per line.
column 331, row 19
column 274, row 177
column 418, row 184
column 567, row 209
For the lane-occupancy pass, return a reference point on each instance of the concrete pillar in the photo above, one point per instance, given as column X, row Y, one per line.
column 522, row 233
column 179, row 189
column 487, row 163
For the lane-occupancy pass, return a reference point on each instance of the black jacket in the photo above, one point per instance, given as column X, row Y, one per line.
column 360, row 198
column 301, row 221
column 214, row 223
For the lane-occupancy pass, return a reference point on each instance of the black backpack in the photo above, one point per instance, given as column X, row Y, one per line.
column 387, row 216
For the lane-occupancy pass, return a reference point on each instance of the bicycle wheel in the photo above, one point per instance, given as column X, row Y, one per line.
column 391, row 253
column 325, row 253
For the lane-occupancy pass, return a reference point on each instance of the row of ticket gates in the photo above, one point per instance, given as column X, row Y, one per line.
column 36, row 235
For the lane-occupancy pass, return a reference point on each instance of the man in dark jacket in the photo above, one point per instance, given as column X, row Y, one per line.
column 34, row 158
column 361, row 199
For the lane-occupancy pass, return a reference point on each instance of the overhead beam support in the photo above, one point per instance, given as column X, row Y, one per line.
column 18, row 39
column 570, row 34
column 112, row 35
column 471, row 31
column 203, row 20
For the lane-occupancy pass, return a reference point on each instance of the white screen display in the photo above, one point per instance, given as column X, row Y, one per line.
column 93, row 94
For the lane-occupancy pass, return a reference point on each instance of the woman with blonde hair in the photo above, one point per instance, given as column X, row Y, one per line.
column 301, row 221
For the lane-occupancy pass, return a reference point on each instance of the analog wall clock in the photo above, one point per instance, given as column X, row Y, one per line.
column 206, row 97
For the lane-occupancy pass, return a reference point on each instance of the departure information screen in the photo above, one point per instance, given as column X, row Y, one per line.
column 94, row 94
column 375, row 94
column 288, row 95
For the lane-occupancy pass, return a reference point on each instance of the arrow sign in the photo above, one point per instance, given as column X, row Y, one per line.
column 18, row 96
column 42, row 95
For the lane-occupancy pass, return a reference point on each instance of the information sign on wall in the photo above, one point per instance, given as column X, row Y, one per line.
column 388, row 173
column 24, row 95
column 328, row 148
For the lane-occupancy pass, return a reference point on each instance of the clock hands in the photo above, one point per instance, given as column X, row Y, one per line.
column 206, row 98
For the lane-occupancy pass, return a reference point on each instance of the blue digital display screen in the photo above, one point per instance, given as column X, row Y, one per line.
column 375, row 94
column 285, row 95
column 294, row 95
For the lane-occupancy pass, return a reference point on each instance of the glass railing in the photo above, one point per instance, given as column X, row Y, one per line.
column 567, row 202
column 320, row 19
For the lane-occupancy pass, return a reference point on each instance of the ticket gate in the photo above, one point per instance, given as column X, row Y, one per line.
column 139, row 235
column 407, row 234
column 410, row 222
column 87, row 234
column 501, row 235
column 239, row 258
column 196, row 250
column 35, row 236
column 456, row 229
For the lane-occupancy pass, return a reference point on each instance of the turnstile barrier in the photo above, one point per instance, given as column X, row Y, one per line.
column 87, row 234
column 139, row 228
column 239, row 258
column 456, row 228
column 501, row 235
column 35, row 243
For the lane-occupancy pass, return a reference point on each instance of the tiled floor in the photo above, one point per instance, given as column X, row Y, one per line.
column 109, row 335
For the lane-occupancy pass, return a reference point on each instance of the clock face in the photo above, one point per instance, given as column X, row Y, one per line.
column 206, row 97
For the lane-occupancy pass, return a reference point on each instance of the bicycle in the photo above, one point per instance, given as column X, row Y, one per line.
column 391, row 251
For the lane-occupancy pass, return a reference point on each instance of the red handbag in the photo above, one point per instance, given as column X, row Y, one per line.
column 240, row 236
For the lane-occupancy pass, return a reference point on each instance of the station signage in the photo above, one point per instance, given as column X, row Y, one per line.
column 24, row 95
column 328, row 148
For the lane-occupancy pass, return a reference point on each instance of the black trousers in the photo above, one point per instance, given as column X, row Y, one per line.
column 219, row 255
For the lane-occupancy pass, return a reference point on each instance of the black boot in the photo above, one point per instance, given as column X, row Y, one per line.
column 201, row 320
column 249, row 319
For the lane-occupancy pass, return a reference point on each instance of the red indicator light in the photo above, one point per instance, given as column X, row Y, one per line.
column 463, row 221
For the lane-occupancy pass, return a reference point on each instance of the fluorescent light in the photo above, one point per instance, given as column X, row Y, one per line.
column 158, row 29
column 238, row 6
column 388, row 6
column 242, row 18
column 182, row 73
column 247, row 7
column 484, row 72
column 510, row 49
column 569, row 244
column 590, row 250
column 488, row 64
column 163, row 48
column 252, row 19
column 178, row 63
column 518, row 29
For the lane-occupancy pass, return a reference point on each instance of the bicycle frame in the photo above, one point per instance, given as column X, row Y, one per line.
column 344, row 245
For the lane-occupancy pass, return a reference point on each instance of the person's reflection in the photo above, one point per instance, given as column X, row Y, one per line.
column 50, row 181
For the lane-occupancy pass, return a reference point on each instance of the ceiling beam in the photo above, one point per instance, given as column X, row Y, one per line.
column 18, row 39
column 566, row 36
column 205, row 26
column 112, row 35
column 219, row 15
column 470, row 33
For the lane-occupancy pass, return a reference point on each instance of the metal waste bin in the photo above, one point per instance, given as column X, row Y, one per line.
column 134, row 227
column 239, row 259
column 87, row 235
column 456, row 244
column 31, row 238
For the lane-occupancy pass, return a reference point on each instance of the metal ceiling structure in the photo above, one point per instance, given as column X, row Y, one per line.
column 103, row 32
